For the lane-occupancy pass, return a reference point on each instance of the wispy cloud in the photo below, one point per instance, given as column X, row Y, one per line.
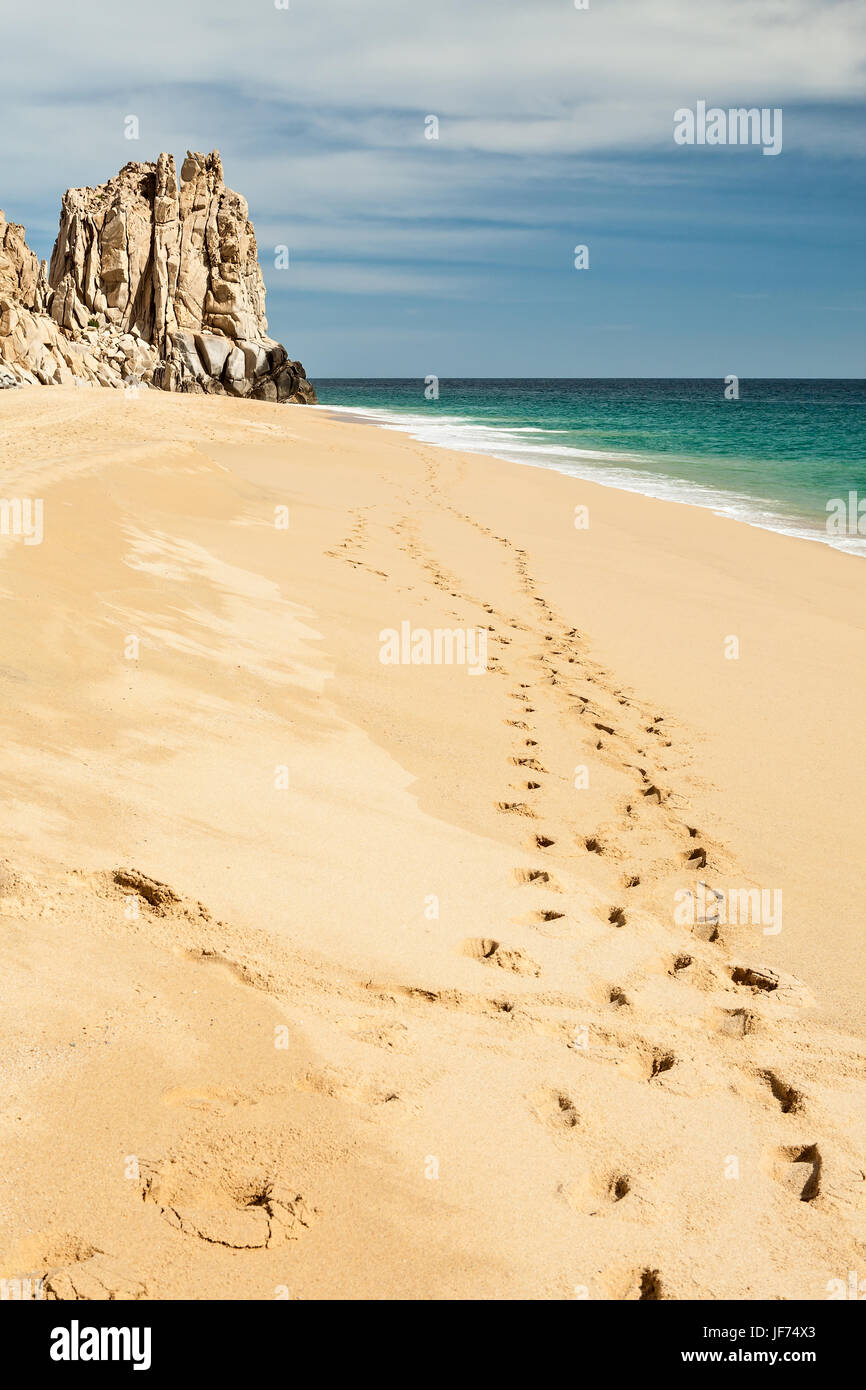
column 555, row 126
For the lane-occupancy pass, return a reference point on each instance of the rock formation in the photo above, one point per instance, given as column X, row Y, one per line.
column 151, row 283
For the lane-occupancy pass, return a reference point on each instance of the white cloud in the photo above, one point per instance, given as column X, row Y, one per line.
column 501, row 74
column 549, row 117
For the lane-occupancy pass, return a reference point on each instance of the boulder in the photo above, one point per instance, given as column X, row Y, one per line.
column 183, row 351
column 213, row 352
column 236, row 366
column 256, row 358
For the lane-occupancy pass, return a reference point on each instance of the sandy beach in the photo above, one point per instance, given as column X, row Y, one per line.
column 324, row 977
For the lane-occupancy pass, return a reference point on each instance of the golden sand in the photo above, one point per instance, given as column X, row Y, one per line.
column 324, row 977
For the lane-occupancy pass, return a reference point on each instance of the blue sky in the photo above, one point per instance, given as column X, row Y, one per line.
column 454, row 257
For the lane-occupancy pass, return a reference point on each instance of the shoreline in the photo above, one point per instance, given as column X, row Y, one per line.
column 818, row 575
column 724, row 505
column 290, row 923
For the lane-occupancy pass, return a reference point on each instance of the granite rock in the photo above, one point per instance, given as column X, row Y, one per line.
column 152, row 281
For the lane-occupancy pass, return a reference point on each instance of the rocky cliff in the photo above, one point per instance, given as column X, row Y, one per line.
column 152, row 282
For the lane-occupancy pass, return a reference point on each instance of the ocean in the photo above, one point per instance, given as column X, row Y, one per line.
column 786, row 455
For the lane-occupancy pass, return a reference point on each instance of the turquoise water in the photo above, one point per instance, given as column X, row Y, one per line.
column 776, row 457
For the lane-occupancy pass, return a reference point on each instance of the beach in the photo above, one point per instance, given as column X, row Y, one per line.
column 535, row 972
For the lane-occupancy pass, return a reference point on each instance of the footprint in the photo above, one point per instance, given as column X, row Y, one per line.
column 336, row 1085
column 661, row 1062
column 647, row 1064
column 557, row 1110
column 798, row 1169
column 516, row 808
column 763, row 979
column 789, row 1098
column 215, row 1098
column 650, row 1286
column 489, row 952
column 385, row 1032
column 616, row 917
column 706, row 931
column 94, row 1279
column 736, row 1023
column 597, row 1194
column 157, row 895
column 236, row 970
column 634, row 1285
column 243, row 1210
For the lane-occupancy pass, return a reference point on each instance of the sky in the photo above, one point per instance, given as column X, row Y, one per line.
column 411, row 256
